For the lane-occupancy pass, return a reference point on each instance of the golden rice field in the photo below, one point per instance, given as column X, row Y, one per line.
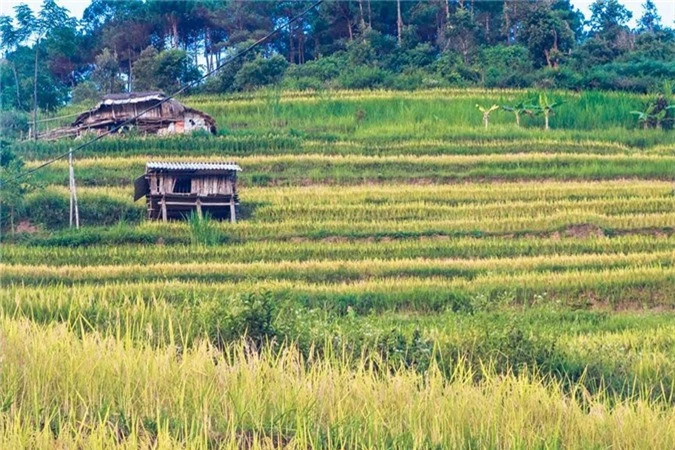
column 400, row 278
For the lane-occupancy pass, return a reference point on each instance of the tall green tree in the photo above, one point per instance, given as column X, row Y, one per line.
column 10, row 38
column 107, row 73
column 547, row 35
column 51, row 17
column 609, row 35
column 166, row 71
column 650, row 20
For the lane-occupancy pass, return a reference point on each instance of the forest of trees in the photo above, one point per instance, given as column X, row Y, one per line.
column 50, row 58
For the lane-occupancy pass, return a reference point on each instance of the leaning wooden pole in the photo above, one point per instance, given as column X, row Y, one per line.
column 35, row 75
column 74, row 211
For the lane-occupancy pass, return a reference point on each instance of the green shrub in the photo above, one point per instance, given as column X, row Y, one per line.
column 260, row 72
column 364, row 77
column 203, row 230
column 48, row 208
column 505, row 66
column 250, row 315
column 323, row 69
column 52, row 210
column 13, row 124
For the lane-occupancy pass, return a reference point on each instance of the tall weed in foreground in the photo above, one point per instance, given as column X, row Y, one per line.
column 203, row 230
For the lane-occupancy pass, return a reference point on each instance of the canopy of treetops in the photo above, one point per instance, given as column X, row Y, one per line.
column 160, row 45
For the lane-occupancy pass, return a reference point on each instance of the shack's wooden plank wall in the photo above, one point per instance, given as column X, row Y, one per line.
column 161, row 184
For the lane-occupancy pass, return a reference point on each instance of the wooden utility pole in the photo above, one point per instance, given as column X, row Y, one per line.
column 35, row 74
column 74, row 211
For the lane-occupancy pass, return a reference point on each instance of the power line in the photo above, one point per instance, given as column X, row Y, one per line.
column 50, row 119
column 178, row 92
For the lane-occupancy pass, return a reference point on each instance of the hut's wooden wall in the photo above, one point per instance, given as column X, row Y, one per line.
column 202, row 185
column 210, row 185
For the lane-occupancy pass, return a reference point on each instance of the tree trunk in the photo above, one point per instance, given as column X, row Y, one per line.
column 487, row 28
column 507, row 22
column 291, row 48
column 399, row 21
column 555, row 48
column 362, row 20
column 517, row 118
column 16, row 82
column 173, row 30
column 35, row 75
column 545, row 120
column 129, row 81
column 370, row 16
column 207, row 50
column 11, row 220
column 548, row 58
column 486, row 119
column 301, row 47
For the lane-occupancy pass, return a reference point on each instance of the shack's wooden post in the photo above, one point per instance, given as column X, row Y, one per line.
column 233, row 216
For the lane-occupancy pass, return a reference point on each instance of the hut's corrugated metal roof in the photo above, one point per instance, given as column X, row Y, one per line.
column 162, row 165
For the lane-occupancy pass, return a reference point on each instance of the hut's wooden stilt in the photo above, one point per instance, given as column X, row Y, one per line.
column 163, row 203
column 198, row 204
column 233, row 214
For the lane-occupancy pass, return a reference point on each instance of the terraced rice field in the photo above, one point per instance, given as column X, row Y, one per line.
column 400, row 278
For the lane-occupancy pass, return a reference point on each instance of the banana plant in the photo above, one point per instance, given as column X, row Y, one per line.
column 486, row 113
column 646, row 116
column 649, row 116
column 546, row 108
column 518, row 110
column 662, row 116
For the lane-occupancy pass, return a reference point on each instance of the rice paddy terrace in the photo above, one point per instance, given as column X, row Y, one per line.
column 401, row 277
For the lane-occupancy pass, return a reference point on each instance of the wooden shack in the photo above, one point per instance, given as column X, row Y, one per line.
column 159, row 116
column 173, row 190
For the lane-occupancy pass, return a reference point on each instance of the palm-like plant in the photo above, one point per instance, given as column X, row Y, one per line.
column 518, row 110
column 647, row 116
column 651, row 116
column 486, row 113
column 546, row 108
column 643, row 117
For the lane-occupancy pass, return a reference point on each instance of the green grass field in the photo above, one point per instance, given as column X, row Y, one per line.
column 400, row 278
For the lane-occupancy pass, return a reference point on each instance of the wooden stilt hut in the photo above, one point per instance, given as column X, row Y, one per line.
column 175, row 189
